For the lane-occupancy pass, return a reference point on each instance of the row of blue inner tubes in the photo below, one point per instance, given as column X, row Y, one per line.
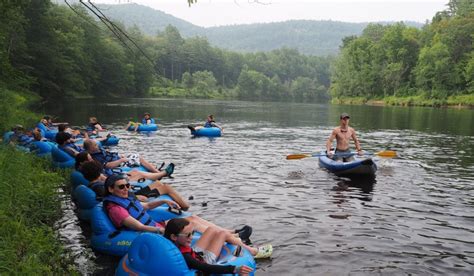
column 143, row 253
column 202, row 132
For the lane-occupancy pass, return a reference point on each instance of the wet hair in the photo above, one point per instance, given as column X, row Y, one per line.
column 62, row 127
column 46, row 117
column 81, row 157
column 91, row 170
column 175, row 226
column 211, row 116
column 146, row 113
column 62, row 137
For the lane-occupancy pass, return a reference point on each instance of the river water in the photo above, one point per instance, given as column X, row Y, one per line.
column 415, row 217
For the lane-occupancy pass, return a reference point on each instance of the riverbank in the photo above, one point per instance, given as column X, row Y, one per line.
column 460, row 101
column 29, row 207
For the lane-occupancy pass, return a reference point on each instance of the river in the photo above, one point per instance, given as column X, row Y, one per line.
column 415, row 217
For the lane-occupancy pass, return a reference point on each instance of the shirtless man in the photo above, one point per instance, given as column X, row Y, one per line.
column 343, row 134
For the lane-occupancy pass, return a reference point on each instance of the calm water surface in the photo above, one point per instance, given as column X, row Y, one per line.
column 415, row 217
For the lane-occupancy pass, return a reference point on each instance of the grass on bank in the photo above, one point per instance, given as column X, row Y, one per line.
column 419, row 100
column 29, row 207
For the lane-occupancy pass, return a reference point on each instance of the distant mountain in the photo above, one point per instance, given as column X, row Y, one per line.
column 150, row 21
column 308, row 36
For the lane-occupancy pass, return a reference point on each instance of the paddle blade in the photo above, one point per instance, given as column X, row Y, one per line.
column 297, row 156
column 387, row 153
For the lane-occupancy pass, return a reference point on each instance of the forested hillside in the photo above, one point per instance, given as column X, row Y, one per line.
column 405, row 65
column 309, row 37
column 60, row 51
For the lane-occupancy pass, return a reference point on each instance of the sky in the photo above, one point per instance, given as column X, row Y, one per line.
column 207, row 13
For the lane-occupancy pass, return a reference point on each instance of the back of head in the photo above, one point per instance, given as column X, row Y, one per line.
column 89, row 144
column 81, row 157
column 91, row 170
column 62, row 137
column 175, row 226
column 62, row 127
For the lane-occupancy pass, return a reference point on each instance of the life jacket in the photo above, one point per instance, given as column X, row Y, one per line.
column 209, row 124
column 24, row 140
column 90, row 127
column 72, row 146
column 133, row 206
column 152, row 121
column 188, row 249
column 98, row 187
column 106, row 156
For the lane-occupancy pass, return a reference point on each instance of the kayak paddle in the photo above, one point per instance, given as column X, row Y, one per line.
column 385, row 153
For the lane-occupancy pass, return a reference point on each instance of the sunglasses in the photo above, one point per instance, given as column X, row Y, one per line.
column 187, row 235
column 122, row 186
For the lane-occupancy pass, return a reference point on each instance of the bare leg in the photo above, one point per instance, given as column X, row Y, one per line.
column 136, row 175
column 202, row 225
column 148, row 166
column 164, row 189
column 212, row 240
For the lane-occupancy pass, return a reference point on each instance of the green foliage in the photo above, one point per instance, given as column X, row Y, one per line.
column 14, row 109
column 428, row 67
column 29, row 206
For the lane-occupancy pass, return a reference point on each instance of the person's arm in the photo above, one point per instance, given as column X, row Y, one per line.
column 142, row 198
column 207, row 268
column 216, row 125
column 356, row 142
column 98, row 127
column 70, row 151
column 134, row 224
column 329, row 142
column 116, row 163
column 153, row 204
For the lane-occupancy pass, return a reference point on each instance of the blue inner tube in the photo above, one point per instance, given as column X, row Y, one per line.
column 62, row 159
column 149, row 127
column 207, row 132
column 7, row 137
column 152, row 254
column 47, row 133
column 109, row 240
column 42, row 148
column 85, row 197
column 360, row 166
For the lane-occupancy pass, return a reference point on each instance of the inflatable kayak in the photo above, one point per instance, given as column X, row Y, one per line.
column 207, row 132
column 360, row 166
column 152, row 254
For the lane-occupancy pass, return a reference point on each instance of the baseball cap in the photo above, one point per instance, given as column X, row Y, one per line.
column 344, row 115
